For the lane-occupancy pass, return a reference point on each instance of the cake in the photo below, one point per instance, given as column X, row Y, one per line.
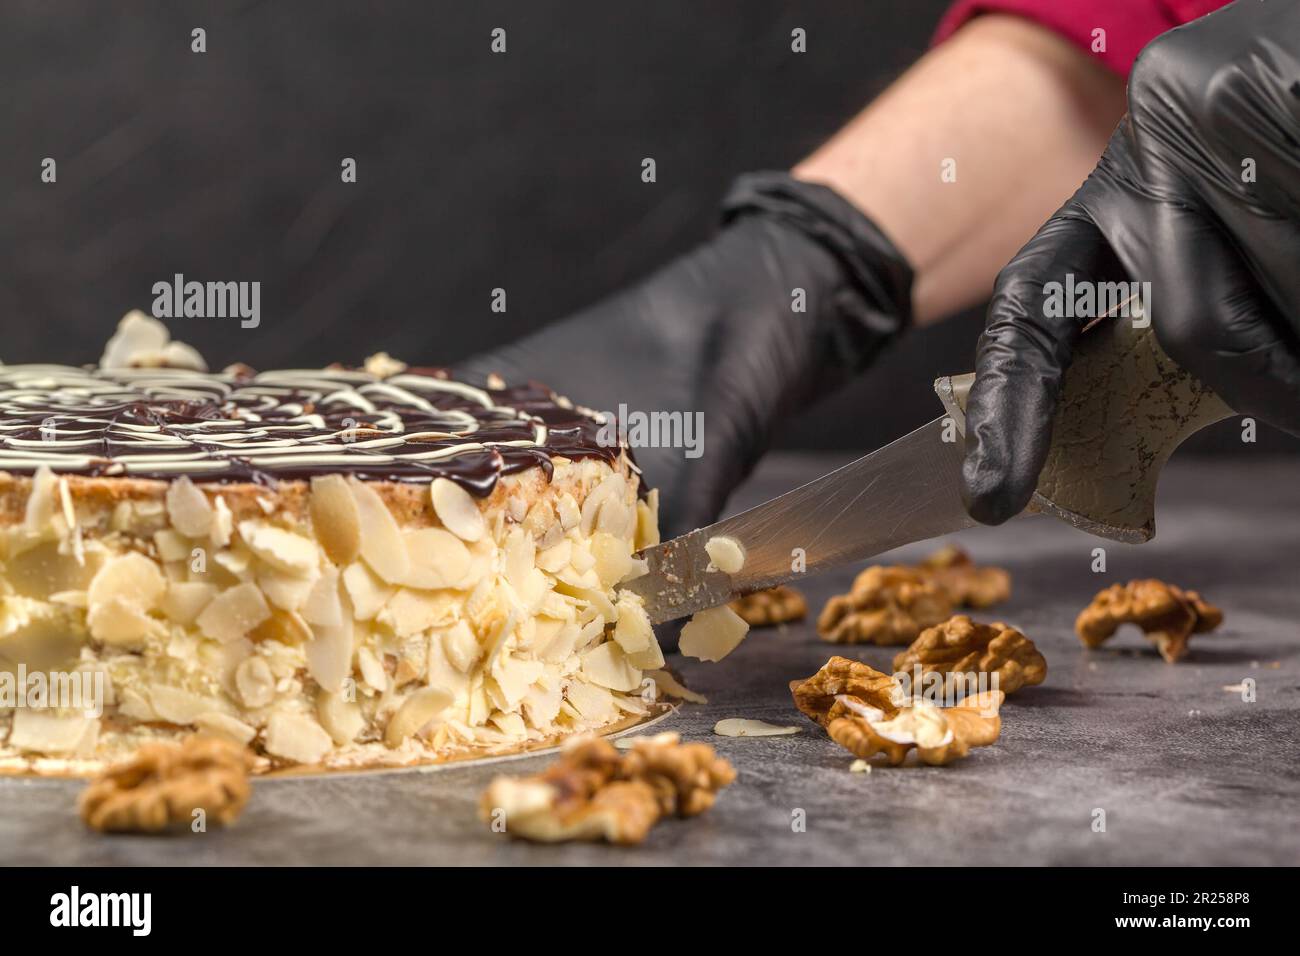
column 334, row 567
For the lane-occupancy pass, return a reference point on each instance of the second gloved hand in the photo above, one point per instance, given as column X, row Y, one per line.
column 1198, row 194
column 796, row 293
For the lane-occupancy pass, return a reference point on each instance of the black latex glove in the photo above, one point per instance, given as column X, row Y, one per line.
column 716, row 332
column 1167, row 204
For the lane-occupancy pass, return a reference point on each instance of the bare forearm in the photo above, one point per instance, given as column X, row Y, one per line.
column 966, row 154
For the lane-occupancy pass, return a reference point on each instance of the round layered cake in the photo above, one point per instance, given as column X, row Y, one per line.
column 334, row 567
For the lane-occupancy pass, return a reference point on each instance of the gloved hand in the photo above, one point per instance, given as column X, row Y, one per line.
column 720, row 331
column 1172, row 202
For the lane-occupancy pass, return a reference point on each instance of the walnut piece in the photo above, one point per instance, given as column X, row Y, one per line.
column 595, row 793
column 886, row 605
column 164, row 783
column 966, row 583
column 864, row 712
column 772, row 606
column 685, row 777
column 1167, row 614
column 839, row 677
column 939, row 735
column 960, row 646
column 894, row 604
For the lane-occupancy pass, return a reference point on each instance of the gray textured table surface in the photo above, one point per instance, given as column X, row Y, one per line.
column 1186, row 772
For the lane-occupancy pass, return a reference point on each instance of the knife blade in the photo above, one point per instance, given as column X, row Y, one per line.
column 1123, row 409
column 904, row 492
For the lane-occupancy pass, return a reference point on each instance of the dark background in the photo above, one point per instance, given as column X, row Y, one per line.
column 475, row 170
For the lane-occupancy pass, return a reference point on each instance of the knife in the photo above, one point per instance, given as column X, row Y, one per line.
column 1124, row 407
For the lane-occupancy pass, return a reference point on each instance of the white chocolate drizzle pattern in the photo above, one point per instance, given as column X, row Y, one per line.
column 240, row 425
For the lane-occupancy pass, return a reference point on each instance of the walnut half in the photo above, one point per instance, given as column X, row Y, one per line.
column 966, row 583
column 940, row 735
column 1167, row 614
column 863, row 711
column 595, row 793
column 886, row 605
column 164, row 783
column 772, row 606
column 894, row 604
column 960, row 646
column 839, row 677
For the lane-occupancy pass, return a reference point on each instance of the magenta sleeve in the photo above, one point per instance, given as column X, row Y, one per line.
column 1128, row 25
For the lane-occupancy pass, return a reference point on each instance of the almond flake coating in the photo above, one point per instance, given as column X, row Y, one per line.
column 667, row 683
column 338, row 623
column 712, row 634
column 748, row 727
column 726, row 554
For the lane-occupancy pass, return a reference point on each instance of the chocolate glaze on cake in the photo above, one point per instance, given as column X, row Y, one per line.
column 242, row 426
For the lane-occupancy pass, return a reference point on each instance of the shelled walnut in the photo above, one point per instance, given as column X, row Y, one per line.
column 966, row 583
column 685, row 778
column 939, row 735
column 1167, row 614
column 164, row 783
column 886, row 605
column 593, row 792
column 864, row 712
column 816, row 696
column 959, row 646
column 771, row 606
